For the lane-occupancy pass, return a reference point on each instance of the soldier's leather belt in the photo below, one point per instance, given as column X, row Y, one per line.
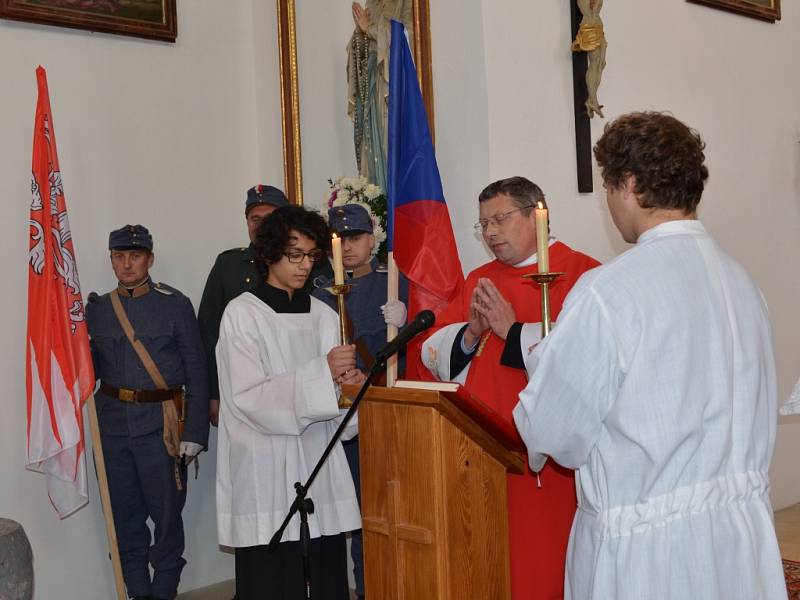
column 140, row 396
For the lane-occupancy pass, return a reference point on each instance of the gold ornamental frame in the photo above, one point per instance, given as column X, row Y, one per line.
column 766, row 10
column 290, row 92
column 136, row 18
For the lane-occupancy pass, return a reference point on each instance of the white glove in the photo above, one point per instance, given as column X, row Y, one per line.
column 394, row 313
column 190, row 449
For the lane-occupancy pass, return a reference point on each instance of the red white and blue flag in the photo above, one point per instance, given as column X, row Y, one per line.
column 59, row 373
column 420, row 234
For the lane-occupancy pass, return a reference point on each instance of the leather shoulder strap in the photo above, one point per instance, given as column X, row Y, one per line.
column 141, row 351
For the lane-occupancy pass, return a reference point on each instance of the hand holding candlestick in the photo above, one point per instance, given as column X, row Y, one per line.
column 340, row 291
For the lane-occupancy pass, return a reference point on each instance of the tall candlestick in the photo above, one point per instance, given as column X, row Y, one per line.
column 338, row 266
column 542, row 235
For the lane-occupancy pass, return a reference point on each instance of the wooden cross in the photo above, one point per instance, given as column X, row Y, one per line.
column 396, row 532
column 583, row 130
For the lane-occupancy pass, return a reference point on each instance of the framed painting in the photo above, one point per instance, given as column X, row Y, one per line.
column 152, row 19
column 312, row 41
column 767, row 10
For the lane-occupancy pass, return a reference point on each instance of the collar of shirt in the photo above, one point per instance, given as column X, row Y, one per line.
column 134, row 292
column 677, row 227
column 532, row 259
column 279, row 301
column 362, row 270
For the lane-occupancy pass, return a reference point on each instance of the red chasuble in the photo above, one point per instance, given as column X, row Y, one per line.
column 539, row 518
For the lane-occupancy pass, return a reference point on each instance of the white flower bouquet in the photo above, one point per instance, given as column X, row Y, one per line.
column 357, row 190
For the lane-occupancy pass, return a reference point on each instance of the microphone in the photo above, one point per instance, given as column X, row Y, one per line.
column 421, row 322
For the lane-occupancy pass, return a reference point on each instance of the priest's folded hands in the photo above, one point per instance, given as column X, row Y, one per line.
column 496, row 312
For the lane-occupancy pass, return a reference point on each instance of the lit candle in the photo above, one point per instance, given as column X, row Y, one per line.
column 542, row 234
column 338, row 266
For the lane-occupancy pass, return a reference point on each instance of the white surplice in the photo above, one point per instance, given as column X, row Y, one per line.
column 278, row 411
column 658, row 385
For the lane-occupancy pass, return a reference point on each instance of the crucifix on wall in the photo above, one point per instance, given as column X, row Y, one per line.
column 588, row 60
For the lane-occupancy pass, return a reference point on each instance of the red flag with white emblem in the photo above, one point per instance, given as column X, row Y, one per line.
column 59, row 373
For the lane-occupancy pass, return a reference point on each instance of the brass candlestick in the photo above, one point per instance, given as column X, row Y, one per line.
column 544, row 280
column 340, row 291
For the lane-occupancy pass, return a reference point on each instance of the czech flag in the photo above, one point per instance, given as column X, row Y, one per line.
column 420, row 234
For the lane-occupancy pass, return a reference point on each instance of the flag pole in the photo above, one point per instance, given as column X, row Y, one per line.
column 105, row 498
column 391, row 330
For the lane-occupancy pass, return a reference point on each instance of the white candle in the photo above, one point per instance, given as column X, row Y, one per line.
column 542, row 235
column 338, row 266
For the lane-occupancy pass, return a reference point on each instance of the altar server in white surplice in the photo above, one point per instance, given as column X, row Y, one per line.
column 279, row 366
column 658, row 385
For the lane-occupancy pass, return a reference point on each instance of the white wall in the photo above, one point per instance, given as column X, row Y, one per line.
column 166, row 135
column 326, row 132
column 462, row 116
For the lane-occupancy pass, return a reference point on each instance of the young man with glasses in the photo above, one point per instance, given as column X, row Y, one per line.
column 488, row 332
column 233, row 273
column 280, row 367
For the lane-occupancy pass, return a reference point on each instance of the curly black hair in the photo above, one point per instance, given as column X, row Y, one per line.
column 663, row 154
column 272, row 236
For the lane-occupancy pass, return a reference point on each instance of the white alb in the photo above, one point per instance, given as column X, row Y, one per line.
column 658, row 386
column 278, row 410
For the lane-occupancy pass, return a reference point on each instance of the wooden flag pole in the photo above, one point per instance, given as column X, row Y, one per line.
column 105, row 498
column 391, row 330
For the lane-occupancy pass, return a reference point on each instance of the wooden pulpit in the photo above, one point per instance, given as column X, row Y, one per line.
column 433, row 495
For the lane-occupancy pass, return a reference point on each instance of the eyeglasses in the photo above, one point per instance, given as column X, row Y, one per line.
column 497, row 219
column 297, row 256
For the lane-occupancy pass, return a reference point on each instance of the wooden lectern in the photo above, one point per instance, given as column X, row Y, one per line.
column 433, row 495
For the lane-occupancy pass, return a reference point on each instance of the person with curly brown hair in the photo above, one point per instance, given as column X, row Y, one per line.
column 657, row 385
column 280, row 367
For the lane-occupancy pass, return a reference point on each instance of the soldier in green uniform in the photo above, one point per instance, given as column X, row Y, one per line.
column 233, row 273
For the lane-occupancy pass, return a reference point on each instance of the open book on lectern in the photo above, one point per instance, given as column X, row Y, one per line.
column 492, row 421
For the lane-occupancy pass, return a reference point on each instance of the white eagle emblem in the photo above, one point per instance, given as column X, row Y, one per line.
column 63, row 259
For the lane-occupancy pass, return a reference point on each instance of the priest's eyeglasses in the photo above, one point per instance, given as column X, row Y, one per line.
column 297, row 256
column 497, row 219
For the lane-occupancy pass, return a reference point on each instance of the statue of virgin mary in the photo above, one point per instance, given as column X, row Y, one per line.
column 368, row 81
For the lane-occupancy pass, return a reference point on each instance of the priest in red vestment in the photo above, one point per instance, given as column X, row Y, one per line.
column 486, row 333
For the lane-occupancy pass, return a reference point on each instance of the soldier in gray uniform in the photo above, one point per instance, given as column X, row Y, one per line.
column 368, row 313
column 235, row 272
column 145, row 452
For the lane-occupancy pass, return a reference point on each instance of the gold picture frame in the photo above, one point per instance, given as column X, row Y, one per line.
column 766, row 10
column 151, row 19
column 290, row 94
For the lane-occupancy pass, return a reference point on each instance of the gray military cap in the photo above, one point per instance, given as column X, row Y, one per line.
column 130, row 237
column 349, row 219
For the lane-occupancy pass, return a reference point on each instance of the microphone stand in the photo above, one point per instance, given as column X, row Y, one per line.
column 304, row 505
